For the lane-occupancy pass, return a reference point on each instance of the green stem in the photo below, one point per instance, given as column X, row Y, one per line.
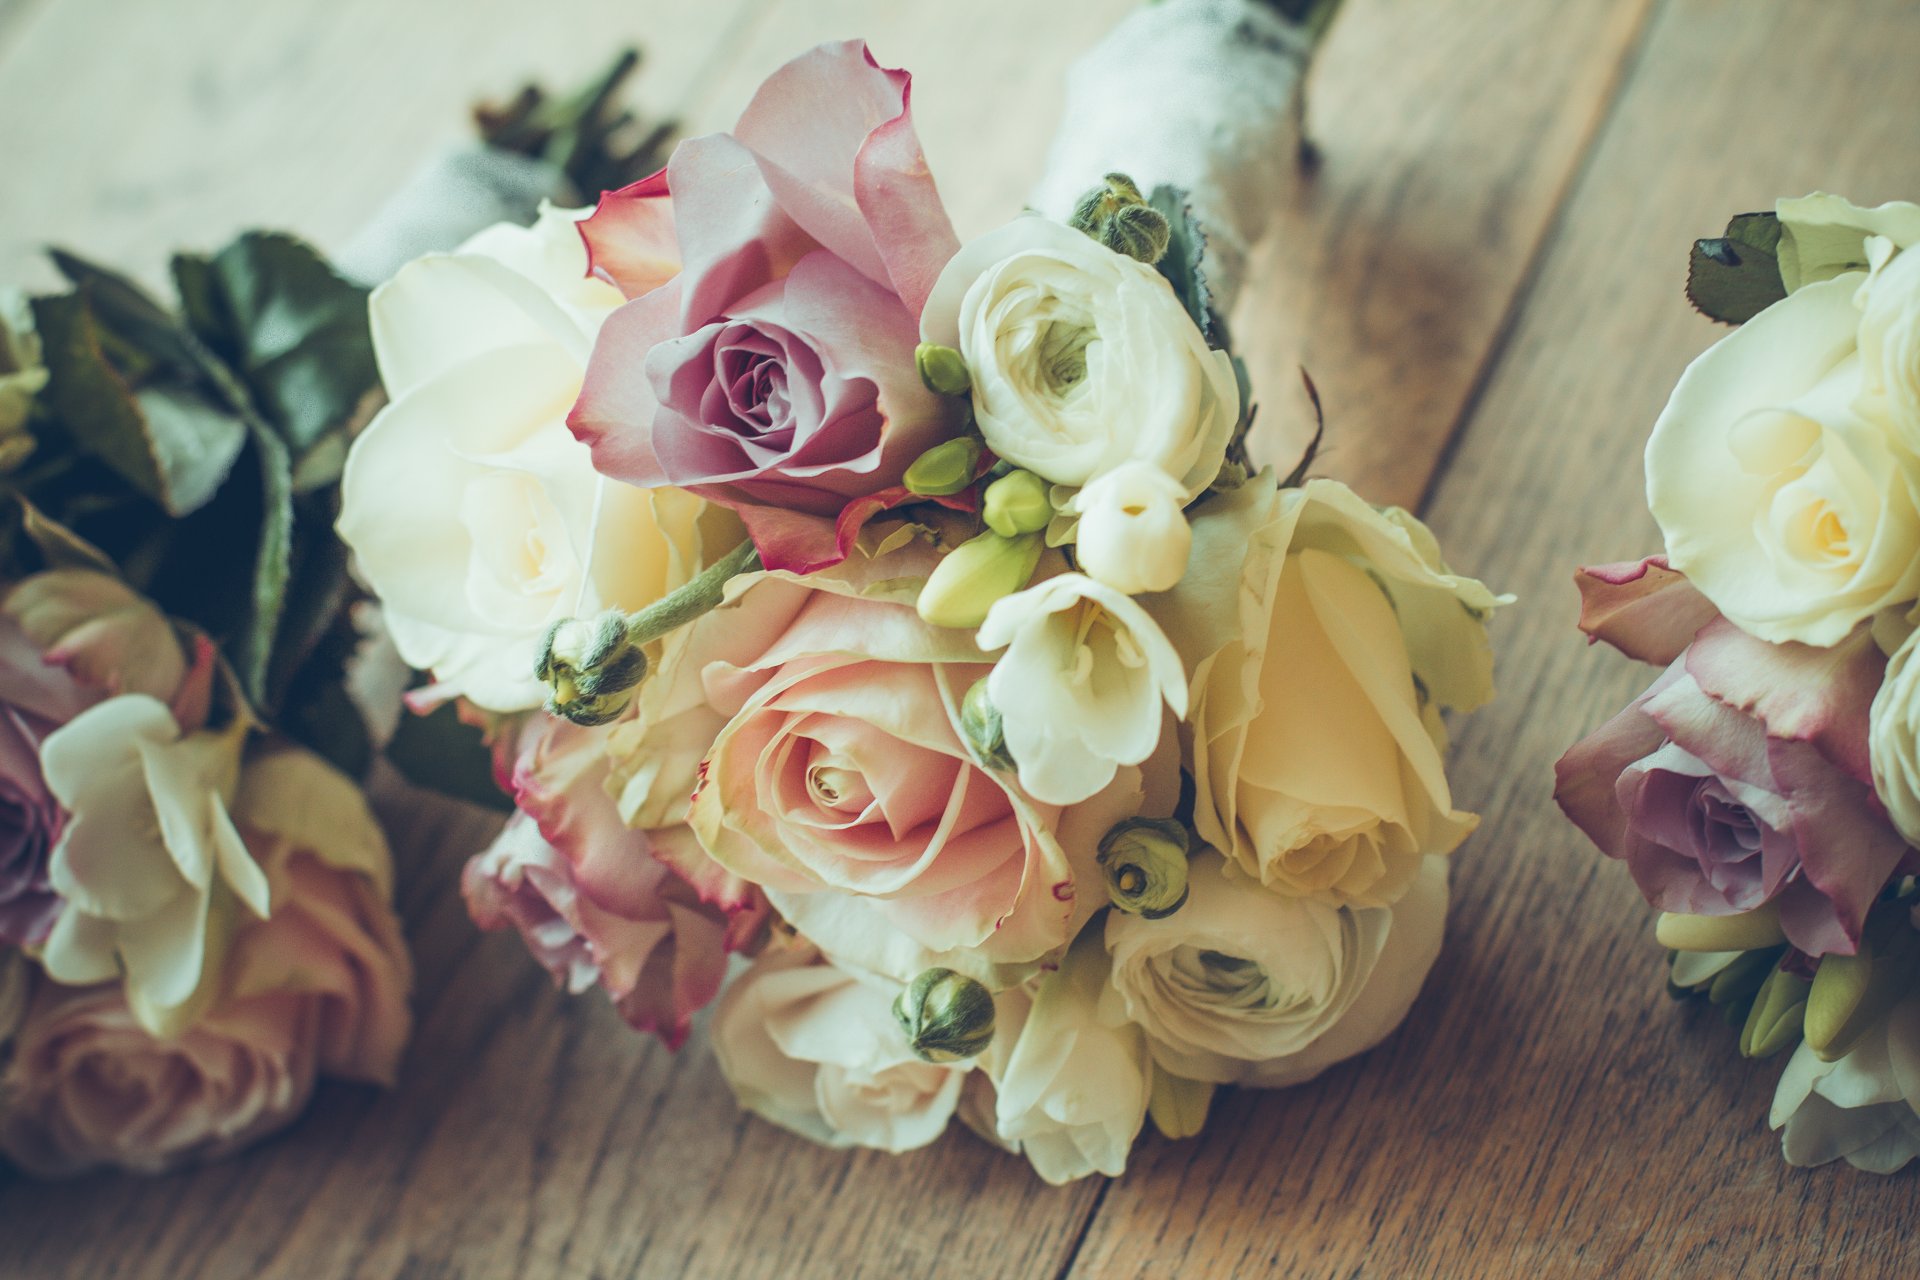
column 700, row 595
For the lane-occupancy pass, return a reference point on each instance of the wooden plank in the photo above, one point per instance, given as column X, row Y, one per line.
column 1547, row 1110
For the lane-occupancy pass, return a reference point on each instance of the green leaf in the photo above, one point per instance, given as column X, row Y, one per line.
column 58, row 545
column 293, row 329
column 130, row 312
column 168, row 441
column 438, row 752
column 1735, row 277
column 272, row 566
column 1184, row 264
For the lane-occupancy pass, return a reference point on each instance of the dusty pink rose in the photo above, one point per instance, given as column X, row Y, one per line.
column 1742, row 776
column 318, row 988
column 594, row 900
column 772, row 370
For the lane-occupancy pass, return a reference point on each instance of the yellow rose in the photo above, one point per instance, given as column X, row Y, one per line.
column 1319, row 671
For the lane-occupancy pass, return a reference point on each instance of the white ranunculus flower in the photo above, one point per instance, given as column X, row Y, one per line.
column 1893, row 736
column 1822, row 235
column 815, row 1049
column 1889, row 302
column 1081, row 685
column 149, row 861
column 1071, row 1091
column 1133, row 534
column 1244, row 985
column 1861, row 1108
column 471, row 510
column 1781, row 500
column 1082, row 358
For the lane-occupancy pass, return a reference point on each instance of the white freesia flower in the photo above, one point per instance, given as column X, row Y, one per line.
column 1861, row 1108
column 1823, row 235
column 1071, row 1090
column 816, row 1050
column 1132, row 534
column 1244, row 985
column 1081, row 684
column 471, row 510
column 147, row 854
column 1889, row 302
column 1082, row 358
column 1780, row 499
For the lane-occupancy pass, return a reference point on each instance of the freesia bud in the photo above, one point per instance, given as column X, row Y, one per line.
column 1774, row 1021
column 944, row 469
column 1145, row 863
column 1747, row 931
column 964, row 585
column 1853, row 994
column 942, row 369
column 592, row 666
column 947, row 1016
column 1017, row 503
column 1133, row 535
column 981, row 726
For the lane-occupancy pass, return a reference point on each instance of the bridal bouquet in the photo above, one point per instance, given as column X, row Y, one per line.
column 1765, row 791
column 903, row 615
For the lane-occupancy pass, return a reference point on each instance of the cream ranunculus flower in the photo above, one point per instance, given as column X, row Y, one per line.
column 1781, row 492
column 1323, row 637
column 816, row 1050
column 1246, row 986
column 1889, row 303
column 1081, row 685
column 471, row 510
column 150, row 864
column 1071, row 1090
column 1082, row 358
column 1133, row 535
column 1864, row 1108
column 1822, row 235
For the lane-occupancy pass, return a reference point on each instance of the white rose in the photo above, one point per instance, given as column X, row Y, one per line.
column 1133, row 535
column 1784, row 504
column 1082, row 358
column 470, row 508
column 1822, row 235
column 1081, row 684
column 1244, row 985
column 1071, row 1090
column 1323, row 637
column 149, row 860
column 1861, row 1108
column 1893, row 736
column 815, row 1049
column 1889, row 302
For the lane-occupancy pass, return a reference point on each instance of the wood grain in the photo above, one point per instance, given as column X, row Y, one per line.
column 1547, row 1110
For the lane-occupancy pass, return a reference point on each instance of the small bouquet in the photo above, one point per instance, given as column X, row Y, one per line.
column 1765, row 791
column 907, row 618
column 195, row 918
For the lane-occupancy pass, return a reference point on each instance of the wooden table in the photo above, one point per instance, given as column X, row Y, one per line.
column 1484, row 279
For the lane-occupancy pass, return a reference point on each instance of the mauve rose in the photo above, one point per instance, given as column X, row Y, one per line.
column 775, row 373
column 1741, row 777
column 596, row 901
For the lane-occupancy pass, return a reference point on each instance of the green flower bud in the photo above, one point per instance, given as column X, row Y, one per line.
column 947, row 1016
column 1774, row 1021
column 1145, row 863
column 1178, row 1106
column 1017, row 503
column 946, row 468
column 1115, row 214
column 592, row 667
column 1748, row 931
column 967, row 581
column 1737, row 983
column 980, row 725
column 942, row 369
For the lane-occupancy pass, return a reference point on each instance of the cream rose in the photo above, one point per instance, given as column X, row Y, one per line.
column 816, row 1050
column 1889, row 303
column 1319, row 669
column 1893, row 739
column 1779, row 488
column 470, row 508
column 1822, row 235
column 1082, row 685
column 1082, row 358
column 1246, row 986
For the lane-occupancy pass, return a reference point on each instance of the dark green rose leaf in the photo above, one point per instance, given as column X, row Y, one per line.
column 130, row 313
column 1735, row 277
column 1184, row 264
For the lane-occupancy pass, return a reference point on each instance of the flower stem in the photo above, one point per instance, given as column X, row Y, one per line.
column 700, row 595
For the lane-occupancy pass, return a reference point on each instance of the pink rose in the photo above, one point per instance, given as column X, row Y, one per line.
column 1742, row 776
column 318, row 988
column 774, row 373
column 596, row 901
column 841, row 784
